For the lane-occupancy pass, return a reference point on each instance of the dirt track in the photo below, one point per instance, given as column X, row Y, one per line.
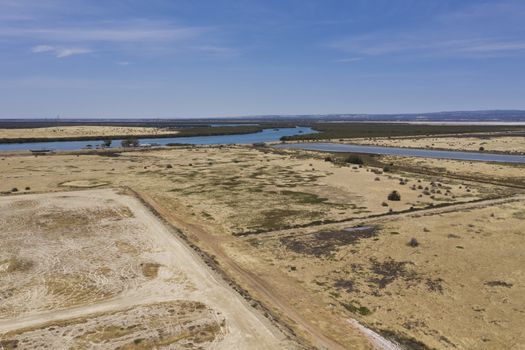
column 250, row 280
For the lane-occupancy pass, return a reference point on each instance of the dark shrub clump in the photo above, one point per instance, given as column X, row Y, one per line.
column 394, row 196
column 413, row 242
column 354, row 160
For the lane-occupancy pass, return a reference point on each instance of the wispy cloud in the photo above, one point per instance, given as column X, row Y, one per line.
column 61, row 52
column 142, row 37
column 116, row 32
column 475, row 30
column 72, row 51
column 492, row 46
column 384, row 44
column 42, row 48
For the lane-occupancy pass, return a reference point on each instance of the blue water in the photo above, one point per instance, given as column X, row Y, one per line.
column 407, row 152
column 229, row 124
column 266, row 135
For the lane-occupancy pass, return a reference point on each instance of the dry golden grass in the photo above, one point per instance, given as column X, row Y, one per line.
column 80, row 131
column 240, row 189
column 462, row 286
column 327, row 278
column 150, row 270
column 507, row 144
column 506, row 174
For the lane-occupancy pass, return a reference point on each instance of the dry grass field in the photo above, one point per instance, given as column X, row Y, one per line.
column 443, row 280
column 243, row 190
column 499, row 173
column 80, row 131
column 506, row 144
column 274, row 222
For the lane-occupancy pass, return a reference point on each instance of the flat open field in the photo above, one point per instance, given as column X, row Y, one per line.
column 96, row 269
column 80, row 131
column 462, row 286
column 506, row 144
column 259, row 214
column 243, row 190
column 506, row 174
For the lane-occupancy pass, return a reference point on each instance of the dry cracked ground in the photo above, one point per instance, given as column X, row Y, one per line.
column 312, row 245
column 95, row 269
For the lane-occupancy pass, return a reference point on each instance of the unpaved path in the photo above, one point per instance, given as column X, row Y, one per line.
column 118, row 303
column 379, row 342
column 249, row 280
column 254, row 282
column 392, row 217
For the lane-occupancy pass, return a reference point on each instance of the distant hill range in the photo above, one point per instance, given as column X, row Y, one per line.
column 456, row 116
column 480, row 116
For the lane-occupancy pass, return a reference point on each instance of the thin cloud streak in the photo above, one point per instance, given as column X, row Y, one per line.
column 382, row 45
column 140, row 31
column 61, row 52
column 473, row 31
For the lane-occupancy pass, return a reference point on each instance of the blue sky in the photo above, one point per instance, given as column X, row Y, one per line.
column 198, row 58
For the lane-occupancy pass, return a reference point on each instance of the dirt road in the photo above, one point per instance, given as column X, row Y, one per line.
column 249, row 280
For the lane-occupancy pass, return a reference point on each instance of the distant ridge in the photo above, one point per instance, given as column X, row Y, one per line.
column 449, row 116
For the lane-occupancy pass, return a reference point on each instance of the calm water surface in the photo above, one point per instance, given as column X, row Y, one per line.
column 267, row 135
column 407, row 152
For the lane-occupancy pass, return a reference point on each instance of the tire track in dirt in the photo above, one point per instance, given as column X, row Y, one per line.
column 248, row 279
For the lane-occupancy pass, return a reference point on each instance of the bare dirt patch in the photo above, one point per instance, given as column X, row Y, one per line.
column 95, row 269
column 180, row 324
column 84, row 184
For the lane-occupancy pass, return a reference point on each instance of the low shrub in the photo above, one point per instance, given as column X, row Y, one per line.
column 353, row 159
column 413, row 242
column 394, row 196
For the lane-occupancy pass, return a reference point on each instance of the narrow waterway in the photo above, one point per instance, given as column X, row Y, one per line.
column 266, row 135
column 407, row 152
